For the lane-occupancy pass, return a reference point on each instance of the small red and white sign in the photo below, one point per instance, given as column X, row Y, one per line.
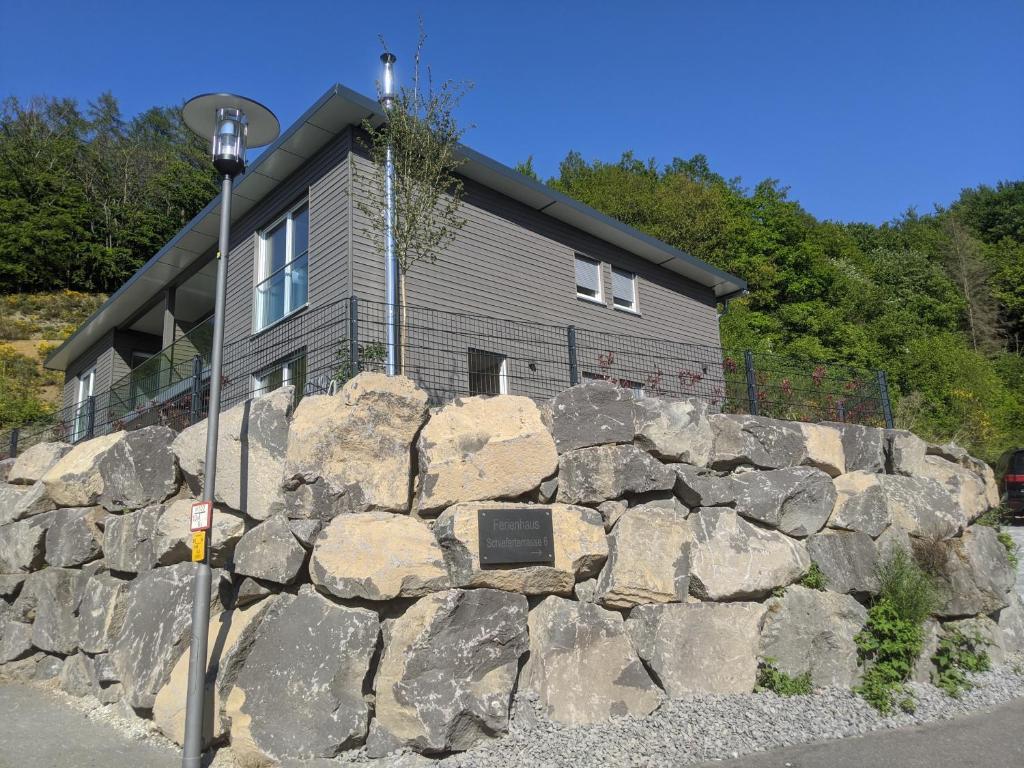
column 202, row 513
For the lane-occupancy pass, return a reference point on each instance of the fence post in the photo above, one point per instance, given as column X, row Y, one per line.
column 197, row 389
column 748, row 365
column 13, row 452
column 90, row 423
column 353, row 335
column 883, row 394
column 841, row 411
column 574, row 366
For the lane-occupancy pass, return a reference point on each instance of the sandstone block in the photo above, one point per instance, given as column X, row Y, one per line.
column 593, row 475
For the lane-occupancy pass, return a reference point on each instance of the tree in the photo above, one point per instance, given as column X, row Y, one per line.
column 423, row 135
column 971, row 272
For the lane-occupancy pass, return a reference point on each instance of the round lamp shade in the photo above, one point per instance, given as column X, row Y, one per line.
column 200, row 114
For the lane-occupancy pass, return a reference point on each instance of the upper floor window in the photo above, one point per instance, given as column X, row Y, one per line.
column 624, row 289
column 588, row 279
column 282, row 266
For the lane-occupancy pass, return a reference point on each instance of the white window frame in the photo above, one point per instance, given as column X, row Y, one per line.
column 259, row 379
column 262, row 273
column 502, row 368
column 84, row 393
column 634, row 308
column 599, row 298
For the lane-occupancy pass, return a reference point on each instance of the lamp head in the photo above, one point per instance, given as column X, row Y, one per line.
column 233, row 124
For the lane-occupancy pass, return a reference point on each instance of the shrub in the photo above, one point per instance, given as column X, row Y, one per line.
column 1011, row 548
column 814, row 578
column 771, row 678
column 906, row 587
column 889, row 646
column 958, row 654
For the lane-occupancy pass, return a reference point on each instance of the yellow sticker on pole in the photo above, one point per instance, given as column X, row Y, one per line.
column 198, row 546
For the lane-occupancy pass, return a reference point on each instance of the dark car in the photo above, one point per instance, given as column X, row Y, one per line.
column 1010, row 473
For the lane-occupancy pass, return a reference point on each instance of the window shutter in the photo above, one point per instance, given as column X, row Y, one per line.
column 622, row 287
column 588, row 275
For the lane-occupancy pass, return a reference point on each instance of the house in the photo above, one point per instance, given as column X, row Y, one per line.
column 529, row 263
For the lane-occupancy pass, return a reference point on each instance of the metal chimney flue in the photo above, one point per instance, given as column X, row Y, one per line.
column 391, row 271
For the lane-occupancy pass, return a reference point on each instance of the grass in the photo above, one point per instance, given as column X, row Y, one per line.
column 814, row 578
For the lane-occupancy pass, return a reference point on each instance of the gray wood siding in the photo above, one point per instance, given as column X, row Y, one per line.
column 513, row 262
column 100, row 355
column 126, row 342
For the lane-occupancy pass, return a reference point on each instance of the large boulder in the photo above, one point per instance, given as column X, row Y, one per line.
column 35, row 462
column 756, row 441
column 173, row 541
column 252, row 439
column 905, row 453
column 1011, row 623
column 860, row 504
column 674, row 430
column 967, row 487
column 976, row 576
column 824, row 447
column 271, row 552
column 648, row 559
column 582, row 665
column 15, row 640
column 23, row 544
column 921, row 506
column 75, row 536
column 699, row 647
column 313, row 707
column 810, row 631
column 18, row 502
column 5, row 469
column 445, row 680
column 101, row 612
column 797, row 500
column 352, row 452
column 156, row 626
column 377, row 556
column 731, row 559
column 50, row 597
column 594, row 413
column 230, row 635
column 483, row 448
column 129, row 540
column 579, row 545
column 593, row 475
column 78, row 676
column 700, row 487
column 864, row 447
column 848, row 559
column 122, row 470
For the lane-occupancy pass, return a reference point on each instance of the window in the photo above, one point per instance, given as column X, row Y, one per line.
column 282, row 267
column 624, row 289
column 588, row 279
column 86, row 389
column 488, row 373
column 292, row 371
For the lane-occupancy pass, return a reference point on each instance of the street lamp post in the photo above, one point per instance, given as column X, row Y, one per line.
column 234, row 123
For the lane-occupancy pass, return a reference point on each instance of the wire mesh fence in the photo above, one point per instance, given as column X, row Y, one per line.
column 451, row 355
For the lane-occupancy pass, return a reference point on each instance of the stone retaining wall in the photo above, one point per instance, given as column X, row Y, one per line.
column 350, row 604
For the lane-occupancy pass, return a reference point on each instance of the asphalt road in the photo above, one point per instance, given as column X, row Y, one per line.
column 986, row 740
column 37, row 730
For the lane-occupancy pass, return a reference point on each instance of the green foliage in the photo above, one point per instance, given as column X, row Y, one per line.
column 86, row 197
column 770, row 678
column 21, row 382
column 905, row 588
column 888, row 646
column 370, row 358
column 1011, row 548
column 814, row 578
column 959, row 653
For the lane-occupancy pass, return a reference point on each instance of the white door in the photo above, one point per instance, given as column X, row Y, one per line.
column 86, row 386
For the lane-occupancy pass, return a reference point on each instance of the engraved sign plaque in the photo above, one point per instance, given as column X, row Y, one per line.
column 516, row 536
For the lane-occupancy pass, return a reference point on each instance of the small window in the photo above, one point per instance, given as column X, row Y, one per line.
column 624, row 289
column 588, row 279
column 282, row 267
column 86, row 389
column 291, row 371
column 488, row 373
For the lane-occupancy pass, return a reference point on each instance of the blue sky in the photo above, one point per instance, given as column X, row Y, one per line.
column 862, row 108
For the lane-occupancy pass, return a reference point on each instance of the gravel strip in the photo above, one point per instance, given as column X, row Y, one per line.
column 701, row 728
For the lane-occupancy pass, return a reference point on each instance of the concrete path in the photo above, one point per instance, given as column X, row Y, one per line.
column 986, row 740
column 37, row 730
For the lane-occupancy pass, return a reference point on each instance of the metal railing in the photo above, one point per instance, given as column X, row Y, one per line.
column 451, row 355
